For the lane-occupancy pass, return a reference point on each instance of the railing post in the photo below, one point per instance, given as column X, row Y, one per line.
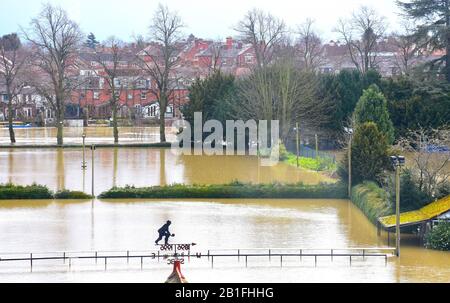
column 212, row 261
column 301, row 252
column 96, row 257
column 239, row 255
column 281, row 260
column 128, row 256
column 142, row 261
column 315, row 260
column 64, row 257
column 269, row 255
column 31, row 261
column 106, row 262
column 246, row 261
column 331, row 255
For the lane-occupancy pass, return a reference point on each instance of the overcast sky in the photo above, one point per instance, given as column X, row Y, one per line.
column 203, row 18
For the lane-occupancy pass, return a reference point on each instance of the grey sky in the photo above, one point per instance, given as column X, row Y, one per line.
column 203, row 18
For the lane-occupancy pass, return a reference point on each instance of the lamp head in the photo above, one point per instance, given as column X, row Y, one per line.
column 394, row 160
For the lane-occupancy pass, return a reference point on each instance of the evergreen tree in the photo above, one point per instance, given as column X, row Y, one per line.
column 91, row 41
column 433, row 19
column 372, row 107
column 210, row 96
column 369, row 153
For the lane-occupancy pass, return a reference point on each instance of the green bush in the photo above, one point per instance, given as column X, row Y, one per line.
column 34, row 191
column 439, row 237
column 372, row 200
column 67, row 194
column 231, row 190
column 370, row 155
column 411, row 197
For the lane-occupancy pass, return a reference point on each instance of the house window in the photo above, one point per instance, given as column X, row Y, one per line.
column 152, row 110
column 143, row 95
column 5, row 98
column 116, row 94
column 141, row 83
column 116, row 82
column 27, row 112
column 96, row 95
column 130, row 96
column 248, row 59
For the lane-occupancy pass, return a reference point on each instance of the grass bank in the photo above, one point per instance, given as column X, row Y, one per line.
column 372, row 200
column 231, row 190
column 317, row 164
column 35, row 191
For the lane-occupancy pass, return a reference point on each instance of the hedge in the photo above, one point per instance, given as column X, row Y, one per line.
column 33, row 192
column 231, row 190
column 372, row 200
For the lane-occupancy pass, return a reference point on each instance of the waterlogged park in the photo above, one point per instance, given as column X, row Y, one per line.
column 64, row 209
column 136, row 162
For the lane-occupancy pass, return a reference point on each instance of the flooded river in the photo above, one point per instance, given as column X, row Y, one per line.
column 42, row 226
column 61, row 168
column 99, row 134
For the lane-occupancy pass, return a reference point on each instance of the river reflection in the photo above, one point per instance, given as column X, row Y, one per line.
column 214, row 224
column 61, row 168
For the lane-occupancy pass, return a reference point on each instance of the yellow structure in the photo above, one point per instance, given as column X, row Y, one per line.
column 426, row 213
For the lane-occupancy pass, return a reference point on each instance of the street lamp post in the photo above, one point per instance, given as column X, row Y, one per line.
column 397, row 162
column 83, row 164
column 92, row 180
column 349, row 131
column 297, row 130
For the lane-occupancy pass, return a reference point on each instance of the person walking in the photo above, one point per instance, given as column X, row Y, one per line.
column 164, row 233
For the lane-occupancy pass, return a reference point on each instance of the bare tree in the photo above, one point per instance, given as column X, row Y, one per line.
column 264, row 32
column 159, row 59
column 13, row 59
column 409, row 47
column 113, row 59
column 282, row 92
column 215, row 50
column 361, row 34
column 430, row 157
column 54, row 39
column 309, row 46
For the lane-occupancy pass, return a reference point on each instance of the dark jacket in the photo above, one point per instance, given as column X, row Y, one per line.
column 164, row 229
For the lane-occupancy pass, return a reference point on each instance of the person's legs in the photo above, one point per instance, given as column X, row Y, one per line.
column 159, row 238
column 166, row 239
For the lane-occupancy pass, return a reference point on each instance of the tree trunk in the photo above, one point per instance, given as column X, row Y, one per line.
column 162, row 125
column 60, row 127
column 447, row 61
column 12, row 136
column 115, row 129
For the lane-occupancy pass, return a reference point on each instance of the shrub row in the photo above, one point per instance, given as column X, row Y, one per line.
column 372, row 200
column 231, row 190
column 34, row 191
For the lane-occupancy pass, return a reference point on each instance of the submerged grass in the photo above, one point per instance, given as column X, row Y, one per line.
column 317, row 164
column 34, row 192
column 231, row 190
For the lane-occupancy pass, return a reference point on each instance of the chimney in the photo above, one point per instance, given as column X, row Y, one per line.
column 229, row 42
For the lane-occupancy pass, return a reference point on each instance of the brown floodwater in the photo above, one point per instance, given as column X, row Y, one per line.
column 61, row 168
column 44, row 226
column 94, row 134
